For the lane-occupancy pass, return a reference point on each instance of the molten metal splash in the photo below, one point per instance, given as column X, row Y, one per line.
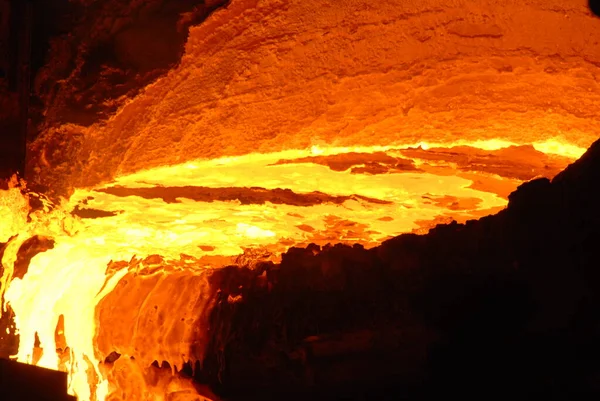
column 218, row 208
column 14, row 208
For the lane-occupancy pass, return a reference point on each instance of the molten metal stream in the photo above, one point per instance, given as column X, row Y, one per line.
column 210, row 209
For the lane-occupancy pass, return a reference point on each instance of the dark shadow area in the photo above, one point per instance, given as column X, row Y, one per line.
column 20, row 382
column 595, row 6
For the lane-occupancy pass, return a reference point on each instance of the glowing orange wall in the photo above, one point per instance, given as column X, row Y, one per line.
column 268, row 75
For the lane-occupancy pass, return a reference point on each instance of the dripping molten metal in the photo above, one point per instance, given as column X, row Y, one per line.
column 206, row 214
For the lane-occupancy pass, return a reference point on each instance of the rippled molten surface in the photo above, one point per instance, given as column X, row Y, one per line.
column 208, row 213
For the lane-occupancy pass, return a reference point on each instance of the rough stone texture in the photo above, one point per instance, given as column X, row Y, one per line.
column 102, row 52
column 500, row 306
column 268, row 75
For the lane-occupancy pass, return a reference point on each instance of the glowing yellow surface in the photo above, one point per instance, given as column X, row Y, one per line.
column 70, row 279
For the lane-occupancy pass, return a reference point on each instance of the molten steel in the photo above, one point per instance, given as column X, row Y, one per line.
column 204, row 214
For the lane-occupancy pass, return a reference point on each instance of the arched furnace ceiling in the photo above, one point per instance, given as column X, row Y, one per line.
column 261, row 76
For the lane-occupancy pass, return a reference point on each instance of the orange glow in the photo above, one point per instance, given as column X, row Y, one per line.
column 284, row 123
column 212, row 211
column 14, row 208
